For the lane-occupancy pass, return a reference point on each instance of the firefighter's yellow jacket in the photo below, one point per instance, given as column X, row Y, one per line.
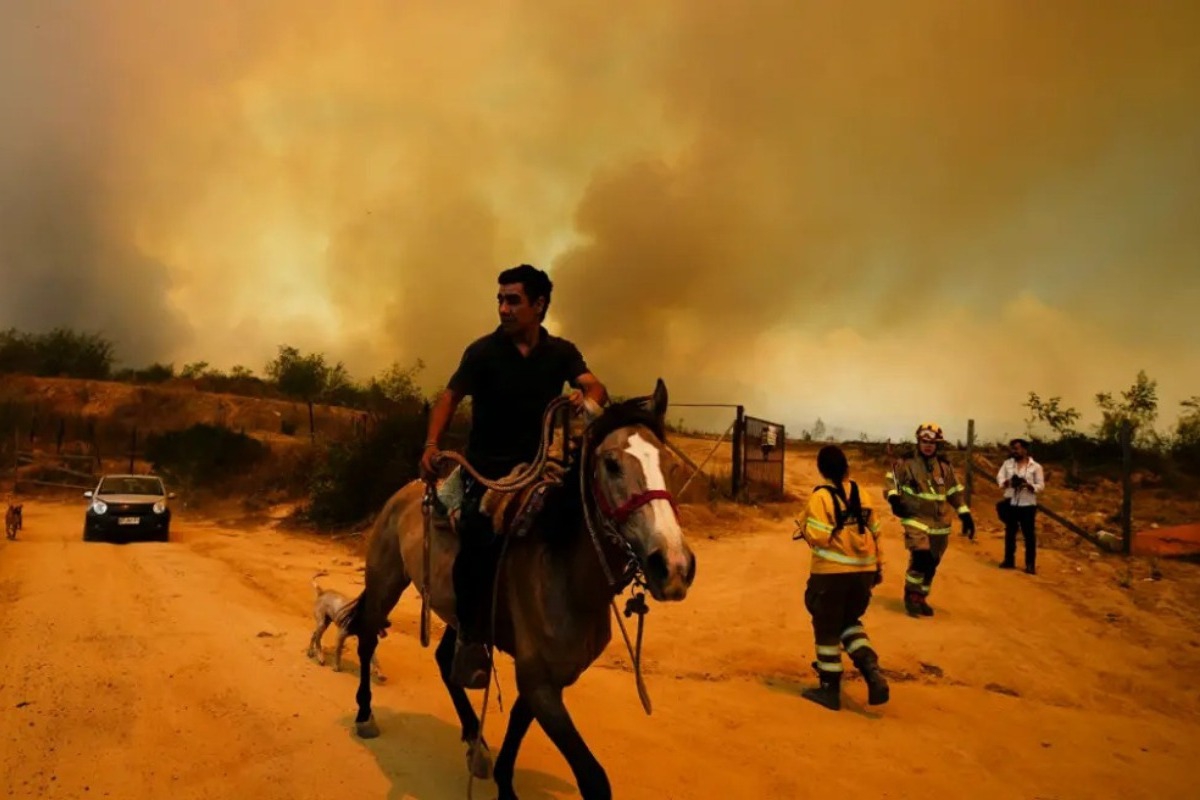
column 837, row 545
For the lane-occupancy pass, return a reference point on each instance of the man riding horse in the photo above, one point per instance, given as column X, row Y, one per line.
column 511, row 374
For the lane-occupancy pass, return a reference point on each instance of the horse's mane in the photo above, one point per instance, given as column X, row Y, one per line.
column 636, row 411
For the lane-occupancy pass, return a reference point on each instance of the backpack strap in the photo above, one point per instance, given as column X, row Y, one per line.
column 846, row 509
column 855, row 509
column 838, row 510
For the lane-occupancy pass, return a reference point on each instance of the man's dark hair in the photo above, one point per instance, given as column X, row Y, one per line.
column 832, row 464
column 535, row 283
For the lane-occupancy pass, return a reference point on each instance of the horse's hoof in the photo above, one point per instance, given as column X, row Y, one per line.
column 479, row 761
column 368, row 729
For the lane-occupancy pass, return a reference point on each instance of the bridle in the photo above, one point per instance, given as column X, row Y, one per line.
column 609, row 525
column 623, row 512
column 613, row 518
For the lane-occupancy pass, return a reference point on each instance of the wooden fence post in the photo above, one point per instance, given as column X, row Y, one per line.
column 739, row 444
column 1127, row 486
column 970, row 476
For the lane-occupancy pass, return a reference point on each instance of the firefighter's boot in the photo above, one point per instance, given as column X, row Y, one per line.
column 829, row 693
column 867, row 662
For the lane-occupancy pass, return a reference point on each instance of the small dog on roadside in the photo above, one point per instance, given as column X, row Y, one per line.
column 333, row 608
column 13, row 520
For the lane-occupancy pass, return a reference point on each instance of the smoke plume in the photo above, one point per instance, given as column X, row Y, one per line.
column 875, row 213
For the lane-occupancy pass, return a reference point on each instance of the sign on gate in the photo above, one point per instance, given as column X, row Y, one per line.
column 763, row 445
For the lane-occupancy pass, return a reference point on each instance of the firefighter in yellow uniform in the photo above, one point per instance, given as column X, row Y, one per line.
column 923, row 493
column 840, row 527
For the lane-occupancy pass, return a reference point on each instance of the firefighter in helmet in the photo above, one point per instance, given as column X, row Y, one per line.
column 923, row 492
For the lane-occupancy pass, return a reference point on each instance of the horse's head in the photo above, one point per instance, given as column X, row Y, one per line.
column 626, row 458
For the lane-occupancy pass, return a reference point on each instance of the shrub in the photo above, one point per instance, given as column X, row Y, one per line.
column 203, row 455
column 356, row 478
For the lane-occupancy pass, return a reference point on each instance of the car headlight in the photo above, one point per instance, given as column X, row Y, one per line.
column 99, row 506
column 160, row 507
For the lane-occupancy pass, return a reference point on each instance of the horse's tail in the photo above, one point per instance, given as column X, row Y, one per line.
column 350, row 618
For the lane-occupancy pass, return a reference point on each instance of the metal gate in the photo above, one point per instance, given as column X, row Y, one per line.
column 762, row 446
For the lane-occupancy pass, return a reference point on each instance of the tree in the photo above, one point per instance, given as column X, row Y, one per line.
column 1060, row 420
column 306, row 377
column 1051, row 413
column 194, row 370
column 1138, row 406
column 241, row 373
column 399, row 384
column 61, row 352
column 1187, row 429
column 1186, row 447
column 818, row 430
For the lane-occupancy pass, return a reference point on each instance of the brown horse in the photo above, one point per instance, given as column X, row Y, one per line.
column 552, row 613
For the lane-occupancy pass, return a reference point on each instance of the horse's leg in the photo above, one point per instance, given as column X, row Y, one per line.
column 479, row 763
column 518, row 725
column 547, row 704
column 376, row 603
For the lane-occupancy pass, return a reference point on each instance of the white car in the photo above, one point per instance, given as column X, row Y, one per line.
column 126, row 508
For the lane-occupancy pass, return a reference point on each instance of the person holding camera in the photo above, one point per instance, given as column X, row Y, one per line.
column 1022, row 480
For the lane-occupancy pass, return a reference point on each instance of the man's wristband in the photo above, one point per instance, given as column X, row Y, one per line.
column 430, row 444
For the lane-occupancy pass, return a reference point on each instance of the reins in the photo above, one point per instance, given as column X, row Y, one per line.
column 542, row 469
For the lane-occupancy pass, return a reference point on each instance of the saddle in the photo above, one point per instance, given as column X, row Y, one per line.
column 511, row 513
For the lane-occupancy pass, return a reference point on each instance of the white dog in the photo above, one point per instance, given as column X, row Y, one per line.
column 333, row 608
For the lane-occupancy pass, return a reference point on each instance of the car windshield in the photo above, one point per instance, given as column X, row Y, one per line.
column 131, row 485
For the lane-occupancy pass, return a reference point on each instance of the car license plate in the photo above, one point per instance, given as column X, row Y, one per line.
column 127, row 521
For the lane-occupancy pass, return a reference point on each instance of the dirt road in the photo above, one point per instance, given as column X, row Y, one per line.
column 178, row 670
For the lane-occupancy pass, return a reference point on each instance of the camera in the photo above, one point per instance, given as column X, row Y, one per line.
column 1016, row 482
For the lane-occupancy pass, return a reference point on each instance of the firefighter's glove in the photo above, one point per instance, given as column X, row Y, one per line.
column 897, row 504
column 968, row 524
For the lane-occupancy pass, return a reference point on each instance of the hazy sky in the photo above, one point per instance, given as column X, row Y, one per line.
column 872, row 212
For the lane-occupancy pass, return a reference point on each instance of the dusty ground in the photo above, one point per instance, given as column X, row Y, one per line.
column 178, row 670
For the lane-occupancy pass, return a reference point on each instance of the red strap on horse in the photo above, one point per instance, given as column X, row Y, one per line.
column 632, row 504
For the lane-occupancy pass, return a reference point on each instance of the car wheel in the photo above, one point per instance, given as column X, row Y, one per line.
column 88, row 534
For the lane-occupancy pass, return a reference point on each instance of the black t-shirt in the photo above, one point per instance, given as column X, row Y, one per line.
column 509, row 394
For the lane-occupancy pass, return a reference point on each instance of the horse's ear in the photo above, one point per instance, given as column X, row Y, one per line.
column 658, row 401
